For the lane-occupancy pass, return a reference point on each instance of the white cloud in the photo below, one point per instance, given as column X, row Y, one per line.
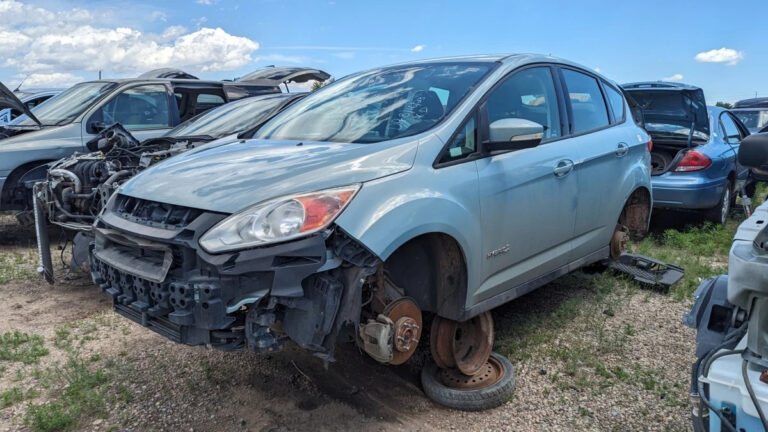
column 157, row 15
column 728, row 56
column 673, row 77
column 345, row 55
column 55, row 79
column 39, row 41
column 418, row 48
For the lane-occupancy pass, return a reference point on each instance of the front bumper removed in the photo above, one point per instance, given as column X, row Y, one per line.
column 158, row 276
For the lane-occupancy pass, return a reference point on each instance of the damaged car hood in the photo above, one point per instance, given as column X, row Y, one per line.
column 228, row 176
column 9, row 100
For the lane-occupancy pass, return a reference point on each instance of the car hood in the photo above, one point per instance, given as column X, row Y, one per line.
column 49, row 136
column 666, row 110
column 229, row 175
column 9, row 100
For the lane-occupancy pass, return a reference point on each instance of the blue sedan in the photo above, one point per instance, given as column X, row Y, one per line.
column 693, row 160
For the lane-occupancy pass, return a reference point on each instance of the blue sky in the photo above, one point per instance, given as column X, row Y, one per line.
column 626, row 41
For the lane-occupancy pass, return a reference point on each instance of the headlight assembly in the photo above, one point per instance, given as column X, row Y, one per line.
column 278, row 220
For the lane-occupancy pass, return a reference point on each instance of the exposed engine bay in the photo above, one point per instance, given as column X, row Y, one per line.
column 78, row 187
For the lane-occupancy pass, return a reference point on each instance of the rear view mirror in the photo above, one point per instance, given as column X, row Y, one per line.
column 514, row 134
column 753, row 154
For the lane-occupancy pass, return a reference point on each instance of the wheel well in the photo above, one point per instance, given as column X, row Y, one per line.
column 636, row 210
column 432, row 270
column 8, row 199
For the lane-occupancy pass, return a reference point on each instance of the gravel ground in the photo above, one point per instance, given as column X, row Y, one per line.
column 591, row 352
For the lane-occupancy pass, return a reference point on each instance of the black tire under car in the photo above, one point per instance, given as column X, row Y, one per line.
column 485, row 398
column 716, row 214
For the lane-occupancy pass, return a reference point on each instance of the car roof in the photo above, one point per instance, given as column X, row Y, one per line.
column 761, row 102
column 658, row 85
column 195, row 82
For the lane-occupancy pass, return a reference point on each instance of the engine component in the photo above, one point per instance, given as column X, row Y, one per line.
column 376, row 337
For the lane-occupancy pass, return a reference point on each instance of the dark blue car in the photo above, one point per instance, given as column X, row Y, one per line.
column 693, row 160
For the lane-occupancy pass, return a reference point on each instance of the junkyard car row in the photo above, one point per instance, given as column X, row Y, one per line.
column 393, row 208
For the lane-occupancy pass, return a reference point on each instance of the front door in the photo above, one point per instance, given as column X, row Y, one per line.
column 144, row 110
column 527, row 197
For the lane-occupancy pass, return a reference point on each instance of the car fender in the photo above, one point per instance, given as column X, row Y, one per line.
column 383, row 225
column 638, row 176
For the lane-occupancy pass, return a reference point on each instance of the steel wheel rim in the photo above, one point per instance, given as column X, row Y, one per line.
column 491, row 373
column 465, row 346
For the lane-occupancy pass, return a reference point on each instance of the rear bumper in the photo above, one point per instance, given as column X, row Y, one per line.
column 686, row 191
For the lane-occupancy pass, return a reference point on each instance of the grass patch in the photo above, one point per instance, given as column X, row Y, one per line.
column 10, row 397
column 15, row 265
column 22, row 347
column 81, row 390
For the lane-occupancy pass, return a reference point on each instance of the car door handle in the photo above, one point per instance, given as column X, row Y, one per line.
column 563, row 167
column 621, row 149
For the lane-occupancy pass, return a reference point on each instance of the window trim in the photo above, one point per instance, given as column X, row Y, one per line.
column 568, row 102
column 482, row 118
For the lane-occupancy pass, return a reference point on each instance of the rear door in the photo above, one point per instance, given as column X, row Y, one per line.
column 527, row 197
column 605, row 154
column 733, row 133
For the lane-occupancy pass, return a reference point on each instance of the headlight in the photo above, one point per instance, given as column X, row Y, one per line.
column 278, row 220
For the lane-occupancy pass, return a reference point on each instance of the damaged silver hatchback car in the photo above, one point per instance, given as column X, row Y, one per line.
column 393, row 204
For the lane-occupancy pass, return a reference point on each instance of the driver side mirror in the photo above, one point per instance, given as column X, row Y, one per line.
column 514, row 134
column 753, row 152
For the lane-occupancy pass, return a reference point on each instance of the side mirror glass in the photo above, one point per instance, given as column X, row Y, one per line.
column 753, row 153
column 514, row 134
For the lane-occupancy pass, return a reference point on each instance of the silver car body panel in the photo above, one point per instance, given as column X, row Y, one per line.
column 504, row 202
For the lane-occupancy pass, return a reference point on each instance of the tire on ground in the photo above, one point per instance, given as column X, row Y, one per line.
column 715, row 214
column 470, row 400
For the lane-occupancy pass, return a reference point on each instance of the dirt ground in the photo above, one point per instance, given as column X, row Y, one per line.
column 592, row 352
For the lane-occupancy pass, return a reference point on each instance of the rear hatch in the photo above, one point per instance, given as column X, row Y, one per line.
column 9, row 100
column 675, row 115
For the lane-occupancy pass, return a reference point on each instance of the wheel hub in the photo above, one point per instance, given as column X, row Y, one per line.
column 618, row 241
column 407, row 318
column 465, row 346
column 490, row 373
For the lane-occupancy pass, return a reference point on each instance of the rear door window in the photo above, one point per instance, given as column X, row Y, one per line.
column 731, row 132
column 141, row 107
column 588, row 110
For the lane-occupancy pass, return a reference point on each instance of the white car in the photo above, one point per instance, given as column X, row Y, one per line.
column 30, row 98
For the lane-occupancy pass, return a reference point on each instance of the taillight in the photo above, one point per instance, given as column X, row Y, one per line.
column 693, row 161
column 650, row 145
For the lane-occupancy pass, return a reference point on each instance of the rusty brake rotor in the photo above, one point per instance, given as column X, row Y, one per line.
column 465, row 346
column 407, row 318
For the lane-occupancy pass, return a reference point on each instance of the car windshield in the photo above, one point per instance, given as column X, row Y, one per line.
column 229, row 118
column 378, row 105
column 66, row 106
column 753, row 119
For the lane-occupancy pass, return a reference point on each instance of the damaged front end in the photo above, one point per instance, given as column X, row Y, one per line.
column 147, row 257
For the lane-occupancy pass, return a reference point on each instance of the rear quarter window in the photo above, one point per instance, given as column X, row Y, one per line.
column 616, row 101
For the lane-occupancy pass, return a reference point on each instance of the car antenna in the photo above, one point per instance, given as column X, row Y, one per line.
column 22, row 82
